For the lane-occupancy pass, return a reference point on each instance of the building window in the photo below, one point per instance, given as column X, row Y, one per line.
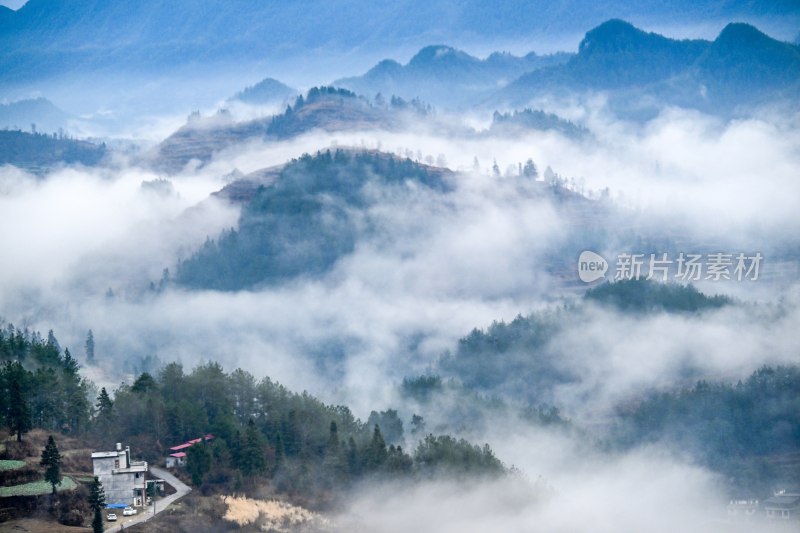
column 116, row 463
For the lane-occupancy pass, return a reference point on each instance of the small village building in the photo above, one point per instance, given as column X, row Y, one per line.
column 743, row 510
column 123, row 479
column 783, row 506
column 177, row 456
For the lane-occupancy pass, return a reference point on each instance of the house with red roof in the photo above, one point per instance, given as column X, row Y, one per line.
column 177, row 456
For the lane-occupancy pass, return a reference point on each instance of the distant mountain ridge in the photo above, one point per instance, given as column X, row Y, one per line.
column 447, row 77
column 741, row 67
column 52, row 37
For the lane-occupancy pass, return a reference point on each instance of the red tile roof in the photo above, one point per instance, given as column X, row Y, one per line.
column 191, row 443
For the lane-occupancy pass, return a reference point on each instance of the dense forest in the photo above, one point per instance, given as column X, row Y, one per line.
column 307, row 449
column 302, row 223
column 748, row 431
column 41, row 386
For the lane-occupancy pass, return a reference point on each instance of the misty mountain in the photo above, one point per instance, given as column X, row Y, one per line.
column 447, row 77
column 519, row 359
column 529, row 119
column 267, row 91
column 305, row 220
column 742, row 67
column 325, row 108
column 52, row 37
column 37, row 152
column 39, row 112
column 748, row 431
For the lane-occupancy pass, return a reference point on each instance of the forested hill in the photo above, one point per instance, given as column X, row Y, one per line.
column 322, row 108
column 263, row 433
column 516, row 358
column 38, row 152
column 304, row 221
column 748, row 431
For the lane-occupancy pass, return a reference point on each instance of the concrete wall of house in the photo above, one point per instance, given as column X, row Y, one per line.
column 120, row 487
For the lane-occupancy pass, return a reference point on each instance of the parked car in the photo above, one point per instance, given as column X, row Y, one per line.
column 111, row 517
column 129, row 511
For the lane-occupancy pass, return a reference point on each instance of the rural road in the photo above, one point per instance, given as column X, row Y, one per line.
column 161, row 504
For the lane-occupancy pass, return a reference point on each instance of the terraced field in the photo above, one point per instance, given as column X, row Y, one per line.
column 36, row 488
column 10, row 464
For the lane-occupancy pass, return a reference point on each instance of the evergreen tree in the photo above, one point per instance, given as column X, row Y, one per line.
column 97, row 501
column 52, row 341
column 495, row 169
column 279, row 450
column 104, row 403
column 353, row 463
column 253, row 460
column 198, row 462
column 89, row 347
column 18, row 418
column 377, row 452
column 51, row 460
column 333, row 439
column 529, row 170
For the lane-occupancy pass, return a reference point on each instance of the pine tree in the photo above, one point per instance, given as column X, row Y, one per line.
column 376, row 453
column 89, row 346
column 279, row 450
column 333, row 439
column 51, row 460
column 529, row 170
column 18, row 418
column 97, row 521
column 97, row 501
column 252, row 459
column 198, row 462
column 52, row 341
column 353, row 463
column 104, row 403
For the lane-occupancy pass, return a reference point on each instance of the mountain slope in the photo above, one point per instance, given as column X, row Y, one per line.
column 325, row 108
column 302, row 222
column 744, row 60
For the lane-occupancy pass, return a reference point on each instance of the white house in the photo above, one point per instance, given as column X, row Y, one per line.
column 123, row 479
column 783, row 506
